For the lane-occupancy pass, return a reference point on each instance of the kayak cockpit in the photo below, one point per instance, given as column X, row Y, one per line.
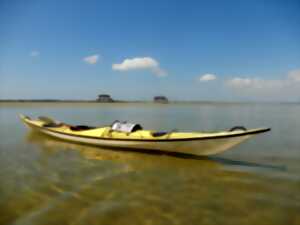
column 50, row 123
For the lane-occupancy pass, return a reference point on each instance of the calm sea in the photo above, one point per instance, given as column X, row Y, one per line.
column 46, row 181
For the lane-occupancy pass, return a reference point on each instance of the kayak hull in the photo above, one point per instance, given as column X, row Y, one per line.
column 196, row 146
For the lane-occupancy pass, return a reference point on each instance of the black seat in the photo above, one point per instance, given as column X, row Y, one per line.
column 81, row 128
column 159, row 133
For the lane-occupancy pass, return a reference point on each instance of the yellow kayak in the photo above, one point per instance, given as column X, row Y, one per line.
column 134, row 137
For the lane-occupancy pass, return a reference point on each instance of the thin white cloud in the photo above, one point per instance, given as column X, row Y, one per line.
column 92, row 59
column 159, row 72
column 240, row 82
column 287, row 87
column 207, row 77
column 34, row 53
column 140, row 63
column 294, row 75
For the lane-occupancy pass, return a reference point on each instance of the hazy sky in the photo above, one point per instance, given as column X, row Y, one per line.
column 186, row 50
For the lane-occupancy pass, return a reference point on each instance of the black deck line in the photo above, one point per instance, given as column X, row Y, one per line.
column 159, row 140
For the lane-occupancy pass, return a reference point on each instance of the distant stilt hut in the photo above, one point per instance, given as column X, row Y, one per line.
column 160, row 99
column 104, row 98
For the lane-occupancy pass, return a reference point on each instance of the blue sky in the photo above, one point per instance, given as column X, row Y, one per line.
column 186, row 50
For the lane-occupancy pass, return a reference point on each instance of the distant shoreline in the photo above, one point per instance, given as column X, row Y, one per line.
column 137, row 101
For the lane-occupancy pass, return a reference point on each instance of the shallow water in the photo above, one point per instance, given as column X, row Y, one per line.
column 46, row 181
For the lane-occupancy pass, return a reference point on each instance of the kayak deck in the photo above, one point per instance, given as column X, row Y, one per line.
column 106, row 132
column 199, row 143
